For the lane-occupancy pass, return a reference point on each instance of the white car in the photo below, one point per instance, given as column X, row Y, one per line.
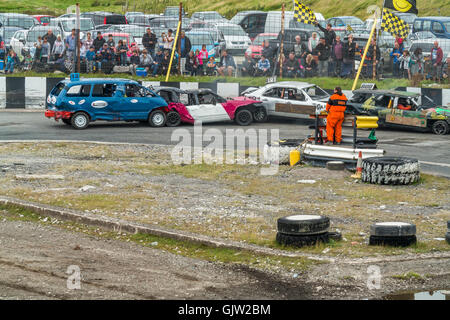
column 236, row 39
column 290, row 99
column 67, row 24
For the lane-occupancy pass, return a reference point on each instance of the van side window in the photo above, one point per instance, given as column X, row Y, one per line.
column 79, row 91
column 417, row 25
column 437, row 27
column 426, row 25
column 104, row 90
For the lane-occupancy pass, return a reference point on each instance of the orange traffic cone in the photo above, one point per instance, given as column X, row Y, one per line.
column 358, row 173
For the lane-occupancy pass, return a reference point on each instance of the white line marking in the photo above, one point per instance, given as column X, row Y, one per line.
column 436, row 164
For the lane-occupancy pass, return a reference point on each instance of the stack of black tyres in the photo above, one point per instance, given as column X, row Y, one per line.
column 396, row 234
column 302, row 230
column 390, row 170
column 447, row 235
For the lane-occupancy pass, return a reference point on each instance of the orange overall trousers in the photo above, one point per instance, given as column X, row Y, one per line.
column 335, row 107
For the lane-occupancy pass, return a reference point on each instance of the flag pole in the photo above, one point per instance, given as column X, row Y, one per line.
column 365, row 52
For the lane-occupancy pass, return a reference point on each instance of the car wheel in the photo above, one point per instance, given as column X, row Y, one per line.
column 157, row 118
column 243, row 117
column 66, row 121
column 79, row 120
column 440, row 127
column 173, row 119
column 260, row 115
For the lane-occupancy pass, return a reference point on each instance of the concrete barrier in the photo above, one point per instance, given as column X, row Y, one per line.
column 31, row 92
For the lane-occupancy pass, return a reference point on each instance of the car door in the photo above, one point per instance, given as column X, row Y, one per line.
column 134, row 103
column 208, row 109
column 104, row 101
column 294, row 103
column 406, row 118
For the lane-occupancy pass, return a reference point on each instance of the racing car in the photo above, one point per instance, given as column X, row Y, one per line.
column 401, row 109
column 82, row 101
column 204, row 105
column 290, row 99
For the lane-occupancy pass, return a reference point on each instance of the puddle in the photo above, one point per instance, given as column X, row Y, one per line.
column 424, row 295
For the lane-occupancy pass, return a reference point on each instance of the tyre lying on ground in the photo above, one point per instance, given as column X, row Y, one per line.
column 302, row 230
column 398, row 234
column 390, row 170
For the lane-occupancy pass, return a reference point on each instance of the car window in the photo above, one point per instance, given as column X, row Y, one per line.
column 79, row 91
column 273, row 92
column 418, row 25
column 104, row 90
column 316, row 93
column 207, row 98
column 437, row 27
column 219, row 99
column 426, row 25
column 57, row 89
column 166, row 95
column 191, row 99
column 382, row 101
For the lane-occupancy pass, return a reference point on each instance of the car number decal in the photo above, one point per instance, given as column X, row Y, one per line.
column 99, row 104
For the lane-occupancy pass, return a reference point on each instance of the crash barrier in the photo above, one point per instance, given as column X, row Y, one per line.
column 340, row 153
column 363, row 122
column 32, row 92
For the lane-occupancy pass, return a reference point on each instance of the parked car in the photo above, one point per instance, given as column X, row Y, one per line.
column 23, row 21
column 273, row 21
column 252, row 22
column 6, row 33
column 212, row 16
column 407, row 17
column 136, row 31
column 101, row 17
column 174, row 11
column 77, row 103
column 206, row 106
column 128, row 15
column 290, row 99
column 439, row 26
column 289, row 40
column 67, row 24
column 43, row 19
column 346, row 22
column 200, row 38
column 236, row 39
column 255, row 49
column 169, row 23
column 25, row 39
column 219, row 40
column 142, row 20
column 127, row 38
column 400, row 109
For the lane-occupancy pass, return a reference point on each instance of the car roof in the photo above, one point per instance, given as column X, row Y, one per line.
column 98, row 81
column 290, row 84
column 200, row 90
column 434, row 18
column 389, row 92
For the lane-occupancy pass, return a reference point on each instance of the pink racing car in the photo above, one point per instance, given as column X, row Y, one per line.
column 204, row 105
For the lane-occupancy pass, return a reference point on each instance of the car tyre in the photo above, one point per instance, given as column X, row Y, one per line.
column 173, row 119
column 390, row 170
column 260, row 115
column 303, row 224
column 79, row 120
column 301, row 241
column 440, row 127
column 403, row 241
column 243, row 117
column 157, row 118
column 393, row 229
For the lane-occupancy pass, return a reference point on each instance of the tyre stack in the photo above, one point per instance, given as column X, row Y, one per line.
column 390, row 170
column 447, row 235
column 302, row 230
column 397, row 234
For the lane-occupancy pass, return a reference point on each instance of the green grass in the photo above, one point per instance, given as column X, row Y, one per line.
column 408, row 276
column 327, row 83
column 228, row 8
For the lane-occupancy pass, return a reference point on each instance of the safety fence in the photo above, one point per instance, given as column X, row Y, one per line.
column 32, row 92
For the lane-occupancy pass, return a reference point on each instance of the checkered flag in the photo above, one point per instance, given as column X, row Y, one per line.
column 394, row 25
column 303, row 14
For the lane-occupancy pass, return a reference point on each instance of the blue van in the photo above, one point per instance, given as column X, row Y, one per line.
column 79, row 102
column 439, row 26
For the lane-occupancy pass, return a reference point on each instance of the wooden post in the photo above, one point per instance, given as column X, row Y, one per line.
column 282, row 41
column 180, row 21
column 374, row 63
column 77, row 38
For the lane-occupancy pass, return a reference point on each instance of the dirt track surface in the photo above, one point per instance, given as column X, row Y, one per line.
column 34, row 259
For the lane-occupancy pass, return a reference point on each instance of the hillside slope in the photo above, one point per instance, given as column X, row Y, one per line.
column 228, row 8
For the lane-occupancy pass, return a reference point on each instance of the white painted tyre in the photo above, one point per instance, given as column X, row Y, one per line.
column 393, row 229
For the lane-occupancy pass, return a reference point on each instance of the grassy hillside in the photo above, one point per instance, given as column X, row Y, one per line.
column 228, row 8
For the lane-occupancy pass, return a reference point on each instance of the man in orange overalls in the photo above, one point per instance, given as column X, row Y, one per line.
column 335, row 107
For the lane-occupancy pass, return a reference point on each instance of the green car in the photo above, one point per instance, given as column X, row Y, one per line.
column 401, row 109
